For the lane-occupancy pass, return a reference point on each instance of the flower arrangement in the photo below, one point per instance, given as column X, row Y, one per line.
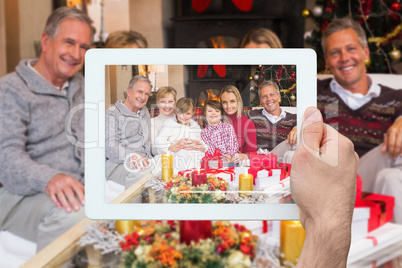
column 180, row 190
column 157, row 245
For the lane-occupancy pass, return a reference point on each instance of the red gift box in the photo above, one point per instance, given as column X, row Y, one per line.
column 386, row 203
column 208, row 157
column 375, row 212
column 229, row 171
column 259, row 161
column 359, row 187
column 285, row 170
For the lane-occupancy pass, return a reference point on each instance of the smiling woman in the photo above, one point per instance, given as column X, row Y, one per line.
column 166, row 102
column 244, row 128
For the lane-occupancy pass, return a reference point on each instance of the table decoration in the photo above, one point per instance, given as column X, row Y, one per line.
column 167, row 167
column 291, row 242
column 124, row 227
column 193, row 231
column 199, row 177
column 180, row 190
column 157, row 245
column 245, row 183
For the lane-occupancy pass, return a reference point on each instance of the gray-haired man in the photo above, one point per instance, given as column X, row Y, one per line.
column 42, row 172
column 128, row 134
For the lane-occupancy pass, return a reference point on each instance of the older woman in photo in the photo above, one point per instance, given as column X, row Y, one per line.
column 244, row 128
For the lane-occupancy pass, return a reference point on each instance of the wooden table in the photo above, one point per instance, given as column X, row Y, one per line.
column 65, row 247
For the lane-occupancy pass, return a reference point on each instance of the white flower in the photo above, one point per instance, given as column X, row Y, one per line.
column 219, row 194
column 141, row 252
column 238, row 260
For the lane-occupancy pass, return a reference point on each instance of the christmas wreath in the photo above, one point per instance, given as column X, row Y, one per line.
column 180, row 190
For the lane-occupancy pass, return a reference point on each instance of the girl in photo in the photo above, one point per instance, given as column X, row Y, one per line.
column 181, row 135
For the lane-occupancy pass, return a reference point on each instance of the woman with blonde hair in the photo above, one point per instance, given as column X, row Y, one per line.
column 166, row 102
column 261, row 38
column 232, row 104
column 126, row 39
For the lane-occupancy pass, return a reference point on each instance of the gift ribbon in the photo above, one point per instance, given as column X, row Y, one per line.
column 229, row 171
column 264, row 227
column 372, row 238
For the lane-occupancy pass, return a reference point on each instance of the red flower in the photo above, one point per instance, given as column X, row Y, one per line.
column 220, row 249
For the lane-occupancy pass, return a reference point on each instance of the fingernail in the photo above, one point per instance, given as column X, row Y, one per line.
column 312, row 114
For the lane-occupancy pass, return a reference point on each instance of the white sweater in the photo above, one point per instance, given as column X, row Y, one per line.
column 173, row 131
column 156, row 126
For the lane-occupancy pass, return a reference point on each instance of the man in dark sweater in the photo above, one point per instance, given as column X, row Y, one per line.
column 272, row 124
column 367, row 113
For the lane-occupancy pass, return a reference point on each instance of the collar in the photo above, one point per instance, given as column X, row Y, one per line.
column 272, row 118
column 63, row 88
column 213, row 128
column 374, row 90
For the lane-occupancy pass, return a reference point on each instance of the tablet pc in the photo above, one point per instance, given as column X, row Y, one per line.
column 96, row 63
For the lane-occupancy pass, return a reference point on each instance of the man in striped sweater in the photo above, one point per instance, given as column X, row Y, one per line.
column 367, row 113
column 273, row 125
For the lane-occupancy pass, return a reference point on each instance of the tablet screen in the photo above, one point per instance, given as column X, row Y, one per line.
column 202, row 185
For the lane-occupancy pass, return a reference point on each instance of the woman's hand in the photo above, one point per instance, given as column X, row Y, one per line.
column 176, row 146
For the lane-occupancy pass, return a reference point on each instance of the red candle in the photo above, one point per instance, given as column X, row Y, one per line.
column 199, row 177
column 194, row 231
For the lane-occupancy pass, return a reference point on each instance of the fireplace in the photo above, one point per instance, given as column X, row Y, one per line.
column 200, row 88
column 223, row 25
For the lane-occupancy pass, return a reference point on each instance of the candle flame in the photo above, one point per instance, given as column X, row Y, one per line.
column 199, row 171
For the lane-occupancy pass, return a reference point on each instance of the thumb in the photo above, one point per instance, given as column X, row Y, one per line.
column 312, row 130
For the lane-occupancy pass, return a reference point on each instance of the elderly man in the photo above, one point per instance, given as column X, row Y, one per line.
column 272, row 124
column 128, row 134
column 367, row 113
column 42, row 171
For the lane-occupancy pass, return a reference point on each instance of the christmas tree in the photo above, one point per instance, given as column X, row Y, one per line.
column 283, row 75
column 381, row 19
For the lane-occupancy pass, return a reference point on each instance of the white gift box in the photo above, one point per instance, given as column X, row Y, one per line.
column 381, row 238
column 360, row 223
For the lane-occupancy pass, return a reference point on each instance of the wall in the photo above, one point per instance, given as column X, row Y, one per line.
column 3, row 55
column 116, row 16
column 24, row 23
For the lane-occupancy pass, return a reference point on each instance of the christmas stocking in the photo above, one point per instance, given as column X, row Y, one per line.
column 220, row 70
column 200, row 5
column 243, row 5
column 202, row 70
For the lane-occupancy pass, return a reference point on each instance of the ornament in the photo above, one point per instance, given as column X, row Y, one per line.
column 317, row 11
column 256, row 77
column 293, row 97
column 395, row 54
column 381, row 40
column 306, row 13
column 250, row 78
column 367, row 62
column 293, row 75
column 396, row 6
column 307, row 34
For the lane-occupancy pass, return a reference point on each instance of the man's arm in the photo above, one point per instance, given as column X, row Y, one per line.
column 393, row 139
column 323, row 184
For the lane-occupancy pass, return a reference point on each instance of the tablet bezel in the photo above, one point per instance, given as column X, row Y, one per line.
column 95, row 62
